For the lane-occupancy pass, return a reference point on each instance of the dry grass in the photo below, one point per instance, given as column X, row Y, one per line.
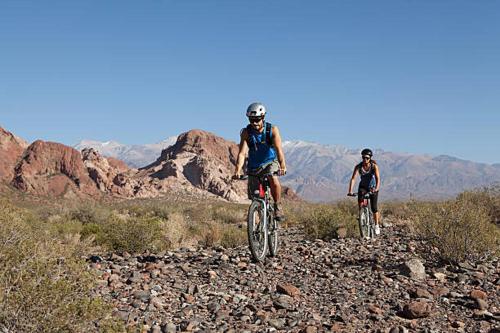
column 459, row 229
column 324, row 221
column 44, row 283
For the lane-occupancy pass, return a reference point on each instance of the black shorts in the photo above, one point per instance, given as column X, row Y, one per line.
column 373, row 198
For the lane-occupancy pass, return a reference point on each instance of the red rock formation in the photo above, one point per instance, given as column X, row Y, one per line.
column 11, row 149
column 109, row 174
column 200, row 164
column 49, row 168
column 207, row 162
column 289, row 194
column 202, row 160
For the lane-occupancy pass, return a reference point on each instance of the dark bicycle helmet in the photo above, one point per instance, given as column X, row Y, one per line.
column 366, row 151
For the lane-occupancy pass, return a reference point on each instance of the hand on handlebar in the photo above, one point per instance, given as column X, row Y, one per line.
column 237, row 175
column 282, row 172
column 351, row 194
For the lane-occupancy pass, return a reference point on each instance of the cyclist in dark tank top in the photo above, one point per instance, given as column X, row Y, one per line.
column 370, row 182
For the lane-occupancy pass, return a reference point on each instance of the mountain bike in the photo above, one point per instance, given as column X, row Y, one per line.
column 262, row 227
column 366, row 221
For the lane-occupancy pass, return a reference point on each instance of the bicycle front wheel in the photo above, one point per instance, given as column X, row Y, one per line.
column 273, row 235
column 364, row 219
column 257, row 233
column 371, row 224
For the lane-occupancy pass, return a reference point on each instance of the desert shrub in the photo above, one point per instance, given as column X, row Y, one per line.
column 296, row 213
column 397, row 209
column 197, row 213
column 176, row 230
column 214, row 233
column 134, row 234
column 228, row 213
column 149, row 208
column 487, row 198
column 324, row 221
column 459, row 229
column 209, row 234
column 233, row 236
column 89, row 213
column 44, row 283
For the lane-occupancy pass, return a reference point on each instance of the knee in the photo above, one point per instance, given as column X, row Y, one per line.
column 275, row 182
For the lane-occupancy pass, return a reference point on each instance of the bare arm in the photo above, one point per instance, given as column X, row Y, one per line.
column 353, row 179
column 279, row 150
column 242, row 153
column 377, row 178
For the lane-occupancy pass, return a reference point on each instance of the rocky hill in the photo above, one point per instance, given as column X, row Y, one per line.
column 346, row 285
column 322, row 172
column 49, row 168
column 199, row 165
column 11, row 149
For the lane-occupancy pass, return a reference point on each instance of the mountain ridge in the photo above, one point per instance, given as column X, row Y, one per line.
column 316, row 172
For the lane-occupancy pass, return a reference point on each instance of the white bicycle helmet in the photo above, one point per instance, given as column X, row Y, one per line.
column 256, row 110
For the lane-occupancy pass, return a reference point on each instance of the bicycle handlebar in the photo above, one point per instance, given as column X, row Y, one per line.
column 366, row 194
column 244, row 177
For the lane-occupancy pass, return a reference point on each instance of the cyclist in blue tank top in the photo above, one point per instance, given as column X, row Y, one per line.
column 262, row 140
column 370, row 182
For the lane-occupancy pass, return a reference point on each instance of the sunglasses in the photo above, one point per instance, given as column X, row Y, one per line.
column 366, row 157
column 254, row 119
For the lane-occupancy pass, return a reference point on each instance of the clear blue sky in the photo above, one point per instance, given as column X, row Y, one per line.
column 407, row 76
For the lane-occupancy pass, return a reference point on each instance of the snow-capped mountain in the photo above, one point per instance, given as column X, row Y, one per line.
column 320, row 172
column 136, row 156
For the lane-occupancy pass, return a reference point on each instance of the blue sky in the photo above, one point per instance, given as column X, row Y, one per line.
column 407, row 76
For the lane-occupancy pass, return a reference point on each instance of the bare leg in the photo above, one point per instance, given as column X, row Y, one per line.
column 276, row 193
column 276, row 189
column 377, row 218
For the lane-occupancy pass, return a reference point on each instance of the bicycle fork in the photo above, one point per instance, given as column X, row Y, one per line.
column 264, row 217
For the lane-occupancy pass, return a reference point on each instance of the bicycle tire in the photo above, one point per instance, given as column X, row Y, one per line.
column 371, row 224
column 273, row 235
column 363, row 221
column 257, row 235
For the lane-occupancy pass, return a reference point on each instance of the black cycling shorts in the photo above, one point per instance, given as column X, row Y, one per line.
column 373, row 198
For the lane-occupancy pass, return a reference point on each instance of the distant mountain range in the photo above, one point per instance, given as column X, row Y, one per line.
column 322, row 172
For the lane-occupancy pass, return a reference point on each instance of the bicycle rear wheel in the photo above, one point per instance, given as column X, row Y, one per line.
column 257, row 233
column 273, row 235
column 364, row 220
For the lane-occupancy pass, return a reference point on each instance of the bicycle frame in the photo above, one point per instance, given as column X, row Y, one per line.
column 261, row 200
column 365, row 209
column 263, row 196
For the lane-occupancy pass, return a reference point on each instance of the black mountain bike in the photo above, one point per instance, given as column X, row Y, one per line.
column 262, row 226
column 366, row 221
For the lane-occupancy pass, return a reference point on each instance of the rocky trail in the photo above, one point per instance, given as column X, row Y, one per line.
column 346, row 285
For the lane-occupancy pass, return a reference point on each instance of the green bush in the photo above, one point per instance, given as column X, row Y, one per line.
column 134, row 234
column 488, row 198
column 324, row 221
column 44, row 284
column 460, row 229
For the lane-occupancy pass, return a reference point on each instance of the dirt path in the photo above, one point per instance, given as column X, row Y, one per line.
column 345, row 285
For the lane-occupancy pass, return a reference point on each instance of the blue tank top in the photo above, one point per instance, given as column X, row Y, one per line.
column 259, row 152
